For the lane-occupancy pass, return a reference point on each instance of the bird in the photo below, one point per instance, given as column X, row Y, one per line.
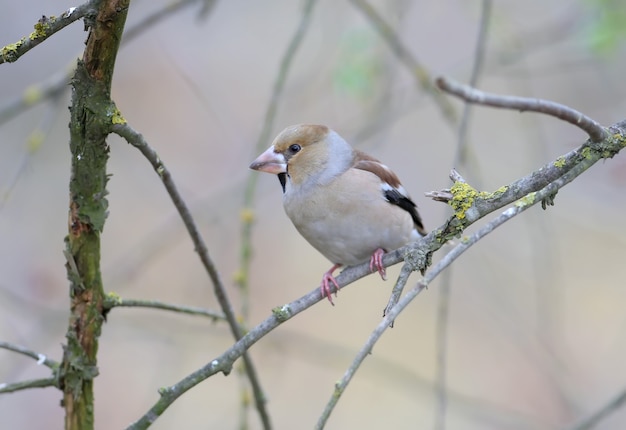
column 345, row 203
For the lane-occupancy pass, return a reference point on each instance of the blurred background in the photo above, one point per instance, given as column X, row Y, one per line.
column 537, row 311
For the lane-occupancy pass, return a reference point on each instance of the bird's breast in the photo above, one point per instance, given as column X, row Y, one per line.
column 346, row 223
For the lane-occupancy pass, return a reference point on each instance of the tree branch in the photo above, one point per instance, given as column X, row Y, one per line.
column 445, row 290
column 57, row 84
column 419, row 72
column 32, row 383
column 138, row 141
column 594, row 419
column 418, row 252
column 446, row 261
column 114, row 301
column 557, row 110
column 46, row 27
column 91, row 113
column 41, row 358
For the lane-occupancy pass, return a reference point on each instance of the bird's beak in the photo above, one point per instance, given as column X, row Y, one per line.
column 270, row 162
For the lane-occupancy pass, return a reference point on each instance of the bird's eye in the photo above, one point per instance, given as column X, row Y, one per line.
column 295, row 148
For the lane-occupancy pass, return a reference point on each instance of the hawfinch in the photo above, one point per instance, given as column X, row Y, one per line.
column 346, row 204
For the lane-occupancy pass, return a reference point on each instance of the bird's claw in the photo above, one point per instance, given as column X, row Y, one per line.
column 327, row 278
column 376, row 263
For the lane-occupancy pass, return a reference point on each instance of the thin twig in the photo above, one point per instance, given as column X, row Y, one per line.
column 460, row 156
column 594, row 419
column 32, row 383
column 442, row 264
column 46, row 27
column 138, row 141
column 419, row 72
column 396, row 292
column 34, row 142
column 118, row 302
column 262, row 142
column 41, row 358
column 164, row 13
column 242, row 277
column 57, row 84
column 430, row 243
column 557, row 110
column 445, row 290
column 224, row 363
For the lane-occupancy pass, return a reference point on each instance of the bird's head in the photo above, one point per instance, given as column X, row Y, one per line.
column 305, row 152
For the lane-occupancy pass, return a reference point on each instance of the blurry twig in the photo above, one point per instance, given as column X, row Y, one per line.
column 164, row 13
column 138, row 141
column 33, row 143
column 445, row 290
column 268, row 124
column 479, row 60
column 594, row 419
column 116, row 302
column 557, row 110
column 420, row 74
column 247, row 215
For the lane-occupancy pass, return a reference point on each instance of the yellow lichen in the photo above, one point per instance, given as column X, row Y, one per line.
column 560, row 162
column 586, row 152
column 113, row 297
column 41, row 29
column 463, row 196
column 527, row 200
column 497, row 193
column 282, row 313
column 9, row 52
column 117, row 117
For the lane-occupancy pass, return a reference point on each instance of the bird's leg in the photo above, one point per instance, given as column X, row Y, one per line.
column 326, row 279
column 376, row 263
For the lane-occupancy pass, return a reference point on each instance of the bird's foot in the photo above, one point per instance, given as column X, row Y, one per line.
column 327, row 279
column 376, row 263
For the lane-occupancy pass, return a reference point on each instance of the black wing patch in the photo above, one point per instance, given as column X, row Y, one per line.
column 395, row 197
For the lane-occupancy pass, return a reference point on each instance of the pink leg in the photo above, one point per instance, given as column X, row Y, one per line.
column 376, row 263
column 326, row 279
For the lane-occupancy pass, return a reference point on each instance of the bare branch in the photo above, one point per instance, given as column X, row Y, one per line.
column 46, row 27
column 164, row 13
column 41, row 358
column 33, row 383
column 138, row 141
column 419, row 72
column 247, row 215
column 557, row 110
column 445, row 290
column 446, row 261
column 595, row 418
column 224, row 363
column 396, row 292
column 262, row 142
column 479, row 59
column 57, row 84
column 428, row 244
column 118, row 302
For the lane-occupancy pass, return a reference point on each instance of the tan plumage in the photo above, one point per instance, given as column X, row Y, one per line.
column 346, row 204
